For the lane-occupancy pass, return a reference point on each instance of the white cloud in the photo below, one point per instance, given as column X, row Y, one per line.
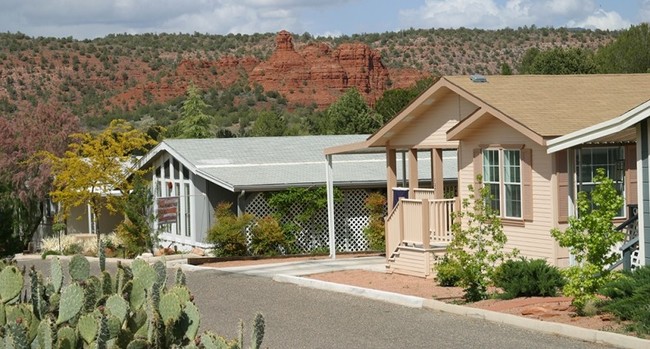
column 601, row 19
column 88, row 19
column 644, row 14
column 493, row 14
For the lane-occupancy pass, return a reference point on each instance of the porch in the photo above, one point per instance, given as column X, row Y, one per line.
column 418, row 231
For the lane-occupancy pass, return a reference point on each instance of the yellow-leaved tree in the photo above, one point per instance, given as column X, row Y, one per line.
column 95, row 165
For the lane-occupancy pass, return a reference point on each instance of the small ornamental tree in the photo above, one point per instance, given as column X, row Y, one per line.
column 589, row 238
column 136, row 229
column 478, row 242
column 95, row 165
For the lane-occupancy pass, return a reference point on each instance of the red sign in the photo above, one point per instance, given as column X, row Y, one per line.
column 167, row 210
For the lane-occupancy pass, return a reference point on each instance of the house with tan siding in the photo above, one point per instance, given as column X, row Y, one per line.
column 501, row 127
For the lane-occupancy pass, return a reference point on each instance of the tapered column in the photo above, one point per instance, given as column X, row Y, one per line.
column 437, row 174
column 391, row 175
column 413, row 171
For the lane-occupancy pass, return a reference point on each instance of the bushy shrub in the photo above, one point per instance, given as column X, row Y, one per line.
column 229, row 233
column 628, row 299
column 73, row 248
column 528, row 278
column 268, row 237
column 448, row 272
column 375, row 231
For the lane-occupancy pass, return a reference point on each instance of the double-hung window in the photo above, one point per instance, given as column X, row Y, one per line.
column 611, row 159
column 502, row 175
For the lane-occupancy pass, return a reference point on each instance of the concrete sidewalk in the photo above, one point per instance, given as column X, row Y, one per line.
column 304, row 267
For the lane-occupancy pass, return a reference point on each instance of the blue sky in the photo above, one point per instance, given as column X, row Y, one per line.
column 93, row 18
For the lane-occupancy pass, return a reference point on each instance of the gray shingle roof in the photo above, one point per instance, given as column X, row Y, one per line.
column 267, row 163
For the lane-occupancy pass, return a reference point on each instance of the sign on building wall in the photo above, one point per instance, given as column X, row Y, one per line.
column 167, row 210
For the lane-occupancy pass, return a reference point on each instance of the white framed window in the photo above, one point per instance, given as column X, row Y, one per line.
column 612, row 159
column 502, row 175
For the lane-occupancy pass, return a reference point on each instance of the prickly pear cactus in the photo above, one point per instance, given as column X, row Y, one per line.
column 102, row 256
column 258, row 332
column 117, row 306
column 161, row 272
column 144, row 272
column 39, row 305
column 79, row 268
column 16, row 336
column 3, row 316
column 169, row 308
column 46, row 334
column 104, row 333
column 138, row 294
column 193, row 317
column 138, row 344
column 107, row 283
column 180, row 278
column 56, row 274
column 66, row 338
column 72, row 299
column 182, row 292
column 11, row 283
column 87, row 327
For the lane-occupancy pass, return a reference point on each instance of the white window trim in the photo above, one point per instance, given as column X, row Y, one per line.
column 502, row 182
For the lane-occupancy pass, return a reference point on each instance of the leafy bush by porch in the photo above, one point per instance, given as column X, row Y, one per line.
column 589, row 238
column 375, row 231
column 628, row 299
column 528, row 278
column 229, row 233
column 478, row 243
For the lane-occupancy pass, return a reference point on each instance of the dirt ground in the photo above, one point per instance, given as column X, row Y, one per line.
column 554, row 309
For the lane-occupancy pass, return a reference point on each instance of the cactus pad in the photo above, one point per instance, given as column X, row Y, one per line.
column 117, row 306
column 138, row 344
column 180, row 277
column 144, row 272
column 79, row 268
column 161, row 272
column 66, row 338
column 87, row 327
column 11, row 283
column 72, row 299
column 46, row 335
column 169, row 308
column 194, row 320
column 56, row 274
column 3, row 315
column 182, row 292
column 107, row 283
column 138, row 294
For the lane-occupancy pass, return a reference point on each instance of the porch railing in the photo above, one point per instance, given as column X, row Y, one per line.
column 420, row 223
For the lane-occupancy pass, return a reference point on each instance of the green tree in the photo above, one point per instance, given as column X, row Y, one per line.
column 95, row 165
column 559, row 61
column 194, row 122
column 478, row 243
column 629, row 53
column 269, row 123
column 393, row 101
column 351, row 115
column 135, row 231
column 590, row 237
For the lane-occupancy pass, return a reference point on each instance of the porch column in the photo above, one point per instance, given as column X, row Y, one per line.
column 391, row 175
column 437, row 178
column 330, row 205
column 413, row 172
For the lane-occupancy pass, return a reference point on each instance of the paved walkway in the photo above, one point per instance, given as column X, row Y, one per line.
column 305, row 267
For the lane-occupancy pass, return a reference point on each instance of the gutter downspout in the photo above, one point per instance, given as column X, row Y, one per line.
column 330, row 205
column 241, row 203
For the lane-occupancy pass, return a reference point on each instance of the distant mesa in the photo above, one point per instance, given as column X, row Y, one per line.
column 314, row 73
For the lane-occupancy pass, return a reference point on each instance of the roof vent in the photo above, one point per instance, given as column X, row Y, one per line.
column 477, row 78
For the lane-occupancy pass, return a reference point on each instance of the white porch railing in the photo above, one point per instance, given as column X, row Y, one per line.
column 420, row 222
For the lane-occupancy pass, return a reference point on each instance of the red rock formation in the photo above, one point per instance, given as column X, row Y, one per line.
column 314, row 74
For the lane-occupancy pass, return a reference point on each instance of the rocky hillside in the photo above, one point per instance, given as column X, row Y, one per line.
column 125, row 72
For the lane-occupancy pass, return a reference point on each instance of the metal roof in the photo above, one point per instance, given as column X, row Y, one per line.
column 273, row 163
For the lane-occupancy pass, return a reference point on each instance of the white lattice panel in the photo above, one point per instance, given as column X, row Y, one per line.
column 350, row 219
